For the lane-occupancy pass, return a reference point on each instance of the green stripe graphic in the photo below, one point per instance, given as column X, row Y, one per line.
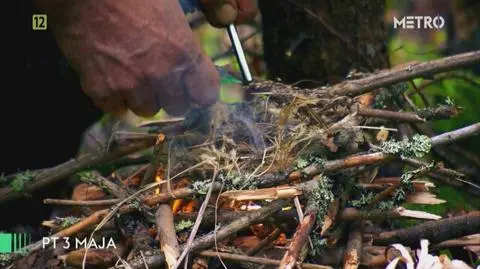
column 5, row 243
column 12, row 242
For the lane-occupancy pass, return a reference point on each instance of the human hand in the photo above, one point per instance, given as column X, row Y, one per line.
column 221, row 13
column 128, row 55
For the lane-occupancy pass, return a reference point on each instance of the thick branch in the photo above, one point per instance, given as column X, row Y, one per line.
column 458, row 134
column 167, row 235
column 257, row 260
column 351, row 214
column 299, row 240
column 380, row 79
column 442, row 112
column 52, row 175
column 353, row 252
column 433, row 231
column 389, row 77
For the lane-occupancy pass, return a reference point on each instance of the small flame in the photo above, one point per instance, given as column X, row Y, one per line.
column 158, row 179
column 177, row 205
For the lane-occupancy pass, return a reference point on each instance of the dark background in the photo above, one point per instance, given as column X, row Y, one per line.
column 43, row 109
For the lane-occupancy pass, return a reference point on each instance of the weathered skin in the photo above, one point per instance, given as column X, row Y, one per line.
column 139, row 55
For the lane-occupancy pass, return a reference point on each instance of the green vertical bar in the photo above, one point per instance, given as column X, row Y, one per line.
column 19, row 242
column 24, row 240
column 5, row 243
column 14, row 242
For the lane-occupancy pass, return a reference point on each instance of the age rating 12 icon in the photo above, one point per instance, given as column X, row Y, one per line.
column 39, row 22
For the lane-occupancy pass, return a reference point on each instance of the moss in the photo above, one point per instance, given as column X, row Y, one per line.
column 85, row 176
column 183, row 225
column 18, row 183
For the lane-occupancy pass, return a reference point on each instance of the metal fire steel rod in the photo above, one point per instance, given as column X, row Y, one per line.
column 239, row 53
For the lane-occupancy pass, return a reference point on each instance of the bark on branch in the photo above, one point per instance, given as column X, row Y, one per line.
column 433, row 231
column 380, row 79
column 405, row 73
column 52, row 175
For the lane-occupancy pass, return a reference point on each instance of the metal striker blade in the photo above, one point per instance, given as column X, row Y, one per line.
column 190, row 6
column 239, row 53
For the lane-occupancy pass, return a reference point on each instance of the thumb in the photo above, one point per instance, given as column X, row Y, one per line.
column 219, row 13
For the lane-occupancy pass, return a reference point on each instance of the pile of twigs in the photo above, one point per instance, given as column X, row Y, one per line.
column 293, row 177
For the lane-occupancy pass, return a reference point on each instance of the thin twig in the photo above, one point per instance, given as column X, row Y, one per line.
column 196, row 226
column 208, row 240
column 107, row 202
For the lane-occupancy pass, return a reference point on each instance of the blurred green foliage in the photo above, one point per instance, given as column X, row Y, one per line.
column 456, row 199
column 461, row 86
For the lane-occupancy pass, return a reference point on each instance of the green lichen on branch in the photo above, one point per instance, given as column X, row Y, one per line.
column 68, row 221
column 439, row 112
column 364, row 199
column 135, row 203
column 320, row 198
column 201, row 187
column 18, row 182
column 399, row 196
column 319, row 201
column 318, row 244
column 388, row 96
column 303, row 162
column 405, row 188
column 418, row 146
column 85, row 176
column 183, row 225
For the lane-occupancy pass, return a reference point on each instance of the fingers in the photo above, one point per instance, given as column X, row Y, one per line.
column 221, row 13
column 142, row 101
column 202, row 82
column 246, row 10
column 193, row 83
column 112, row 104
